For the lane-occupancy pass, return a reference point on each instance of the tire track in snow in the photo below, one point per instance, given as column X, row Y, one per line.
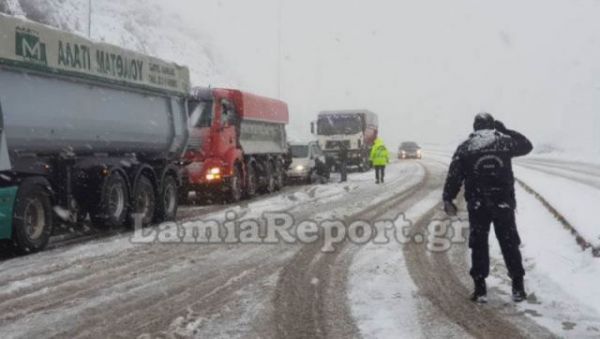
column 311, row 299
column 139, row 289
column 438, row 282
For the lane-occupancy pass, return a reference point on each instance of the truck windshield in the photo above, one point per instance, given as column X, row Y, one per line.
column 299, row 151
column 339, row 124
column 201, row 113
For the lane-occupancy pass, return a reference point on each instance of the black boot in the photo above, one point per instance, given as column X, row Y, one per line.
column 518, row 290
column 480, row 293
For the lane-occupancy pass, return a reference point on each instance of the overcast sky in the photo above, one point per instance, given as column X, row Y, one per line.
column 425, row 66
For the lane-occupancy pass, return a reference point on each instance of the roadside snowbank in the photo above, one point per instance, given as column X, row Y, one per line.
column 576, row 201
column 561, row 278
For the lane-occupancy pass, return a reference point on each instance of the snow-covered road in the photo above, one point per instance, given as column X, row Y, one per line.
column 111, row 287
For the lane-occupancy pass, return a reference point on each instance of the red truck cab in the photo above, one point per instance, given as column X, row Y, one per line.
column 237, row 144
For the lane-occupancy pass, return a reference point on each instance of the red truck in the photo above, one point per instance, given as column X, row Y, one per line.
column 237, row 147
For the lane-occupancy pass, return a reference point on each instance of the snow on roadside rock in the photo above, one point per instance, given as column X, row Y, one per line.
column 151, row 27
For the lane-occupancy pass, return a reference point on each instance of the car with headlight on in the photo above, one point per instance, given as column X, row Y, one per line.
column 308, row 163
column 409, row 150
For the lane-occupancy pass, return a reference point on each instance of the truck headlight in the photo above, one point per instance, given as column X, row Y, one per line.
column 213, row 177
column 214, row 174
column 300, row 168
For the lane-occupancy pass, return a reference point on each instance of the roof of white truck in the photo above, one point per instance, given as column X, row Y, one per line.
column 371, row 118
column 346, row 111
column 31, row 45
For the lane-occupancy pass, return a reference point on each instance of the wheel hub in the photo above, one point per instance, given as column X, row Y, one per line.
column 35, row 219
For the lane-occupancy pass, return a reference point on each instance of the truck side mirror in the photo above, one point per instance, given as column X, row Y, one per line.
column 312, row 127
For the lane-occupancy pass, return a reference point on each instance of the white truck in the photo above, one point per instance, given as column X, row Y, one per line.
column 354, row 129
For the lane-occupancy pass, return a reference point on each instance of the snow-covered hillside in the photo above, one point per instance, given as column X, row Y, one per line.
column 149, row 26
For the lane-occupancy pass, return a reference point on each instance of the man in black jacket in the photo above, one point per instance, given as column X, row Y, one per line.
column 483, row 163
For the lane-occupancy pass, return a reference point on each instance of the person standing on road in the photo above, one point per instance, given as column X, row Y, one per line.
column 343, row 162
column 379, row 158
column 483, row 163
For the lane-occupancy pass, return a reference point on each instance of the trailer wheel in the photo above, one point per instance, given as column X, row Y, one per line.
column 144, row 200
column 234, row 192
column 169, row 200
column 111, row 211
column 32, row 218
column 251, row 181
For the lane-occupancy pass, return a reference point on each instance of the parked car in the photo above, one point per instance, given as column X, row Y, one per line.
column 308, row 163
column 409, row 150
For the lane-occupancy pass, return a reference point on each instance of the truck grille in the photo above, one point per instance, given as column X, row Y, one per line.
column 331, row 144
column 195, row 143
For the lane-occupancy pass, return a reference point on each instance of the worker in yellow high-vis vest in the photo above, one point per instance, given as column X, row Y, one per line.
column 379, row 158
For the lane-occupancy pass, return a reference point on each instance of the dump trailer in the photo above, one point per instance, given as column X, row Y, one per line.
column 354, row 129
column 86, row 129
column 238, row 144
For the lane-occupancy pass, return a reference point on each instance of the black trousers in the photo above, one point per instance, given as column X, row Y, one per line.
column 379, row 173
column 506, row 232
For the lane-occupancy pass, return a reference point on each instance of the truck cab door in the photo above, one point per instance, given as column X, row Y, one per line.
column 228, row 128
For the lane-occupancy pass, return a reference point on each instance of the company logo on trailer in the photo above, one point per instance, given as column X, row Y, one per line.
column 29, row 46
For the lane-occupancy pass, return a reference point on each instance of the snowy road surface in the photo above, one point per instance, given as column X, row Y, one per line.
column 402, row 288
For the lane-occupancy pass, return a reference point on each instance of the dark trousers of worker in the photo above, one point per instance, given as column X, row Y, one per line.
column 379, row 173
column 506, row 232
column 343, row 171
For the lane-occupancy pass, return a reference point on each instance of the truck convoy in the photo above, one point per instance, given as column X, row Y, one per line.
column 356, row 129
column 238, row 144
column 88, row 129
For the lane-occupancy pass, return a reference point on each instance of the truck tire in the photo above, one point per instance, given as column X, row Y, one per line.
column 234, row 189
column 168, row 201
column 251, row 181
column 112, row 209
column 143, row 200
column 32, row 218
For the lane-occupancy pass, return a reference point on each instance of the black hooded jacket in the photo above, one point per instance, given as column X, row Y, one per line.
column 484, row 164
